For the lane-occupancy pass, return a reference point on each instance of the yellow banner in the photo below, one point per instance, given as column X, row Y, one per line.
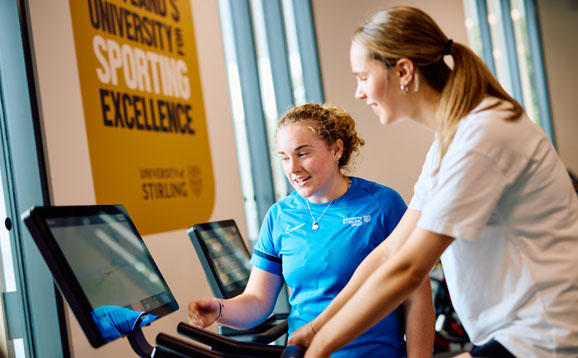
column 143, row 108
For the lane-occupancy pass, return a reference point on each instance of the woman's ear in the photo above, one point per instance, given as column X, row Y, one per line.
column 338, row 149
column 405, row 71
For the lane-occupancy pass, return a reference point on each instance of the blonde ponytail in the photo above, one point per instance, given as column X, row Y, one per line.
column 469, row 82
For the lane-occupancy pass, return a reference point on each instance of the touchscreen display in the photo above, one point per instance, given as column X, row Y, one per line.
column 228, row 253
column 114, row 269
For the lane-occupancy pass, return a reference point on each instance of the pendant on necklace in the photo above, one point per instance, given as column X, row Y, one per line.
column 315, row 226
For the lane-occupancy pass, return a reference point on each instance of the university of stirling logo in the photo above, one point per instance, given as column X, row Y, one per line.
column 357, row 220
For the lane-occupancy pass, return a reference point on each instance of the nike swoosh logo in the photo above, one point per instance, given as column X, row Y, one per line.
column 288, row 230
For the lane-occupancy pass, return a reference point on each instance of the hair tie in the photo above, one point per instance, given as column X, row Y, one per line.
column 448, row 48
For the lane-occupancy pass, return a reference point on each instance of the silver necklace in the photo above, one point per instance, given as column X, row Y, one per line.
column 315, row 225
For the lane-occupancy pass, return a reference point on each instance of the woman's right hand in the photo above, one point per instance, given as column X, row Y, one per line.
column 303, row 336
column 203, row 312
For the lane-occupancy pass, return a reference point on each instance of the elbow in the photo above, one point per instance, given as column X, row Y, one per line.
column 414, row 280
column 414, row 274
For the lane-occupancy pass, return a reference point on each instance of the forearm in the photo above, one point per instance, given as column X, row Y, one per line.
column 382, row 292
column 365, row 269
column 255, row 304
column 420, row 321
column 371, row 263
column 376, row 298
column 244, row 311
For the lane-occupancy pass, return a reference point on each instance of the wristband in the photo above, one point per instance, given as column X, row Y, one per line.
column 312, row 328
column 220, row 302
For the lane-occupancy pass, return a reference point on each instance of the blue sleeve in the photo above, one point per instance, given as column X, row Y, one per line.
column 393, row 207
column 265, row 254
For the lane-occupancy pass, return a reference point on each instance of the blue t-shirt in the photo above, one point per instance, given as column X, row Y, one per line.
column 317, row 264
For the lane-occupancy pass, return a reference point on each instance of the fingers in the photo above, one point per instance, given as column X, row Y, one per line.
column 202, row 312
column 295, row 338
column 195, row 318
column 197, row 321
column 301, row 337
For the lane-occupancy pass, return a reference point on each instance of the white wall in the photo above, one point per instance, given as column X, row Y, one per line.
column 559, row 27
column 69, row 165
column 392, row 155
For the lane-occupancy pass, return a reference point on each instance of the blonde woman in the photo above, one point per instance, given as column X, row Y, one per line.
column 493, row 200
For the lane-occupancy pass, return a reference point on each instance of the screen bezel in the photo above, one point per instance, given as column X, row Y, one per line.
column 207, row 261
column 66, row 281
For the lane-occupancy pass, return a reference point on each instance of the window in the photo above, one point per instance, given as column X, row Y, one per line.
column 506, row 34
column 31, row 305
column 272, row 64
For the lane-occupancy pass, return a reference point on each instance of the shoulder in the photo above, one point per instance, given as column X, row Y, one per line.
column 278, row 215
column 373, row 188
column 508, row 144
column 381, row 193
column 488, row 121
column 284, row 209
column 488, row 130
column 293, row 200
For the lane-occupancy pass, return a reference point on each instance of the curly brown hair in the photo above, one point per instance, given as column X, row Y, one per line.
column 328, row 123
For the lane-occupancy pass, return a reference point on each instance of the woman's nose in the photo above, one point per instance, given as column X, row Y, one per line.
column 359, row 94
column 294, row 166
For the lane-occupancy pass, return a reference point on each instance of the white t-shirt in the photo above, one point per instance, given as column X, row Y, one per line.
column 506, row 197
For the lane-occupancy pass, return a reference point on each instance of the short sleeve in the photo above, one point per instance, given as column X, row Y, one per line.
column 426, row 180
column 394, row 208
column 265, row 255
column 468, row 188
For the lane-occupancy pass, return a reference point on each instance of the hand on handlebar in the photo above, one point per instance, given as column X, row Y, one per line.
column 203, row 312
column 302, row 337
